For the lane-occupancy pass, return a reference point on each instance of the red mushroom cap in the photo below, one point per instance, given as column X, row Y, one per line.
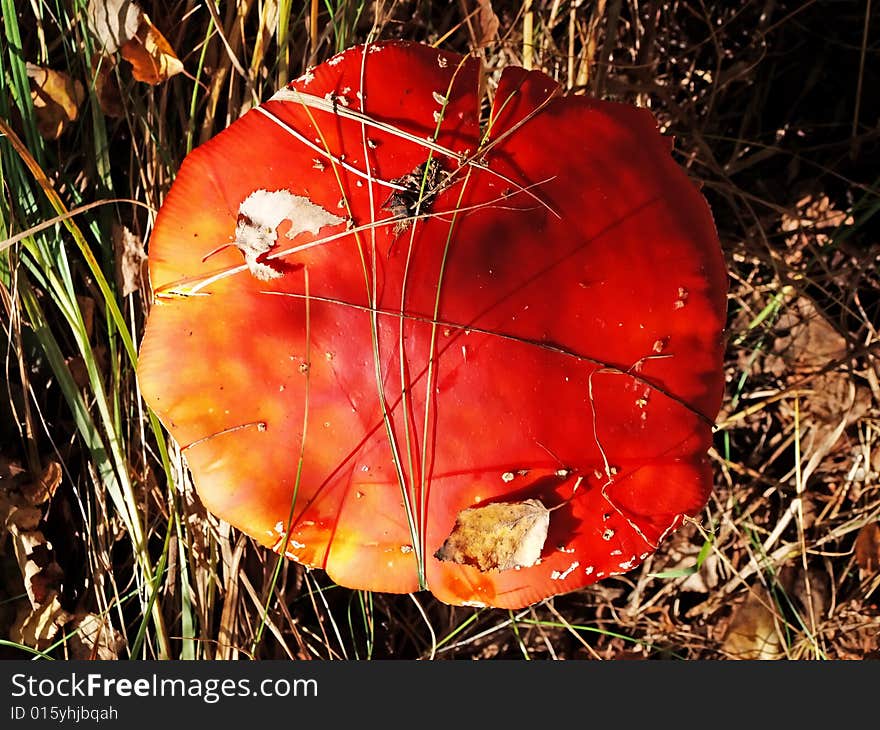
column 421, row 354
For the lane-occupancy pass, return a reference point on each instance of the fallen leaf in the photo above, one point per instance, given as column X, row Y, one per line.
column 93, row 637
column 122, row 25
column 39, row 625
column 487, row 24
column 752, row 631
column 498, row 536
column 150, row 55
column 810, row 342
column 130, row 260
column 867, row 549
column 113, row 22
column 106, row 85
column 20, row 507
column 56, row 98
column 42, row 489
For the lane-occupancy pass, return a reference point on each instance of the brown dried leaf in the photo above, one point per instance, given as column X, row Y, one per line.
column 867, row 549
column 487, row 24
column 56, row 98
column 21, row 501
column 42, row 489
column 130, row 260
column 151, row 57
column 752, row 631
column 107, row 86
column 498, row 536
column 811, row 342
column 123, row 25
column 95, row 638
column 113, row 22
column 20, row 496
column 37, row 627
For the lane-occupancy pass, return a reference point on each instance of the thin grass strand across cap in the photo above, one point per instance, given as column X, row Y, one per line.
column 420, row 350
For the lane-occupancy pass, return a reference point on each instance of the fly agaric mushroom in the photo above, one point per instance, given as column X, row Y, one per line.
column 424, row 354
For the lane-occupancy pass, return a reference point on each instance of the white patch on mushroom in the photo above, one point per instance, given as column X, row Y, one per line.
column 556, row 575
column 336, row 59
column 682, row 298
column 629, row 563
column 507, row 477
column 406, row 549
column 439, row 98
column 306, row 78
column 296, row 545
column 442, row 62
column 279, row 527
column 589, row 570
column 616, row 552
column 608, row 534
column 259, row 216
column 474, row 604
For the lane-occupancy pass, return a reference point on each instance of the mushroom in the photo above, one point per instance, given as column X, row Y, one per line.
column 422, row 354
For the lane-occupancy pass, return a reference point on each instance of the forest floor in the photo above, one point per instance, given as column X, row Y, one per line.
column 105, row 551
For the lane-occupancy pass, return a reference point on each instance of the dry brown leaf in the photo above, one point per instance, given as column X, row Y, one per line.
column 123, row 25
column 811, row 343
column 113, row 22
column 752, row 631
column 130, row 260
column 151, row 57
column 56, row 98
column 42, row 489
column 867, row 549
column 21, row 501
column 808, row 345
column 38, row 626
column 107, row 86
column 498, row 536
column 94, row 637
column 486, row 25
